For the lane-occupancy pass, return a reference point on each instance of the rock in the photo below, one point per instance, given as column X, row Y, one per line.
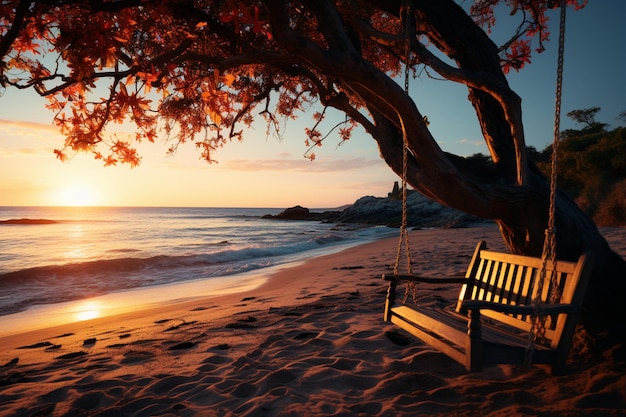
column 303, row 213
column 373, row 210
column 294, row 213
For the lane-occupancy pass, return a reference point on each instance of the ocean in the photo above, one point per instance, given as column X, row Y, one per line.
column 59, row 256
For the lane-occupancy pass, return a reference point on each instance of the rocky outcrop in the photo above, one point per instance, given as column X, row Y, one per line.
column 294, row 213
column 421, row 212
column 303, row 213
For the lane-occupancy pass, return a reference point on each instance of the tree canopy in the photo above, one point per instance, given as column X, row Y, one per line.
column 206, row 69
column 588, row 118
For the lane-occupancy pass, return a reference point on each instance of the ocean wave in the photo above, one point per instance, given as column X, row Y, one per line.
column 160, row 262
column 66, row 282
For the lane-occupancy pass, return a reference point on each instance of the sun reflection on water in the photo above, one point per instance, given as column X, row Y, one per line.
column 76, row 247
column 88, row 310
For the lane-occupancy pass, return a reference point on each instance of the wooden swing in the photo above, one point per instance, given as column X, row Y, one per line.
column 511, row 309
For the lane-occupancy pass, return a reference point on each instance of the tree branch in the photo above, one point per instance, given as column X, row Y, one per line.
column 330, row 24
column 481, row 80
column 264, row 95
column 12, row 34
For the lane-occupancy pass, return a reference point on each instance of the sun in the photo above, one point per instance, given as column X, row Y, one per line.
column 78, row 195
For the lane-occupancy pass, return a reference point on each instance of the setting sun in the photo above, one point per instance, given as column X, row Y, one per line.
column 77, row 195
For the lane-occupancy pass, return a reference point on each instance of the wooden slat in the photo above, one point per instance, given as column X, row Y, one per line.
column 506, row 295
column 491, row 281
column 437, row 321
column 441, row 345
column 427, row 280
column 568, row 287
column 500, row 283
column 563, row 266
column 518, row 285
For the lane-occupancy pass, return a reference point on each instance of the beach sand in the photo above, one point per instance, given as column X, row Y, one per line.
column 309, row 342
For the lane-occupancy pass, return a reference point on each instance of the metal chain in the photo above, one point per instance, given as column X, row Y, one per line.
column 404, row 234
column 538, row 321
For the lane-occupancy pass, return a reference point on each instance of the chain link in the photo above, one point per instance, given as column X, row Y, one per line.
column 538, row 326
column 404, row 234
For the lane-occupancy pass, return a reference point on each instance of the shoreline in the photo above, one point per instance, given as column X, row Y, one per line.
column 310, row 341
column 269, row 279
column 280, row 277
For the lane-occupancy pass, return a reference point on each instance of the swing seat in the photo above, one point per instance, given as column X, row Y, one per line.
column 493, row 317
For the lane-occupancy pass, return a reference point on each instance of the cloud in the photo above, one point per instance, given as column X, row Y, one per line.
column 16, row 192
column 27, row 152
column 473, row 142
column 21, row 124
column 23, row 138
column 9, row 150
column 299, row 165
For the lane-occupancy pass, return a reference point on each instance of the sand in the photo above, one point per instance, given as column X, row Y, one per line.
column 309, row 342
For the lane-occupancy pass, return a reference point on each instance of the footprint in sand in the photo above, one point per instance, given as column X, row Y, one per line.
column 36, row 345
column 178, row 326
column 135, row 356
column 12, row 362
column 247, row 323
column 72, row 355
column 53, row 347
column 182, row 345
column 306, row 335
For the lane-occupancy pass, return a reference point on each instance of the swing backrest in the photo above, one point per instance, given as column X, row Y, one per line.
column 508, row 279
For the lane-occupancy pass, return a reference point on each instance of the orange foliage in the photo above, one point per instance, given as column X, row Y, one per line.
column 518, row 51
column 203, row 67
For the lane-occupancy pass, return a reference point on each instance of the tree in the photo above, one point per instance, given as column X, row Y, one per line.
column 585, row 116
column 588, row 118
column 205, row 68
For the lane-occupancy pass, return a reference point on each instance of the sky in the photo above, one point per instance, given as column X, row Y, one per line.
column 264, row 171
